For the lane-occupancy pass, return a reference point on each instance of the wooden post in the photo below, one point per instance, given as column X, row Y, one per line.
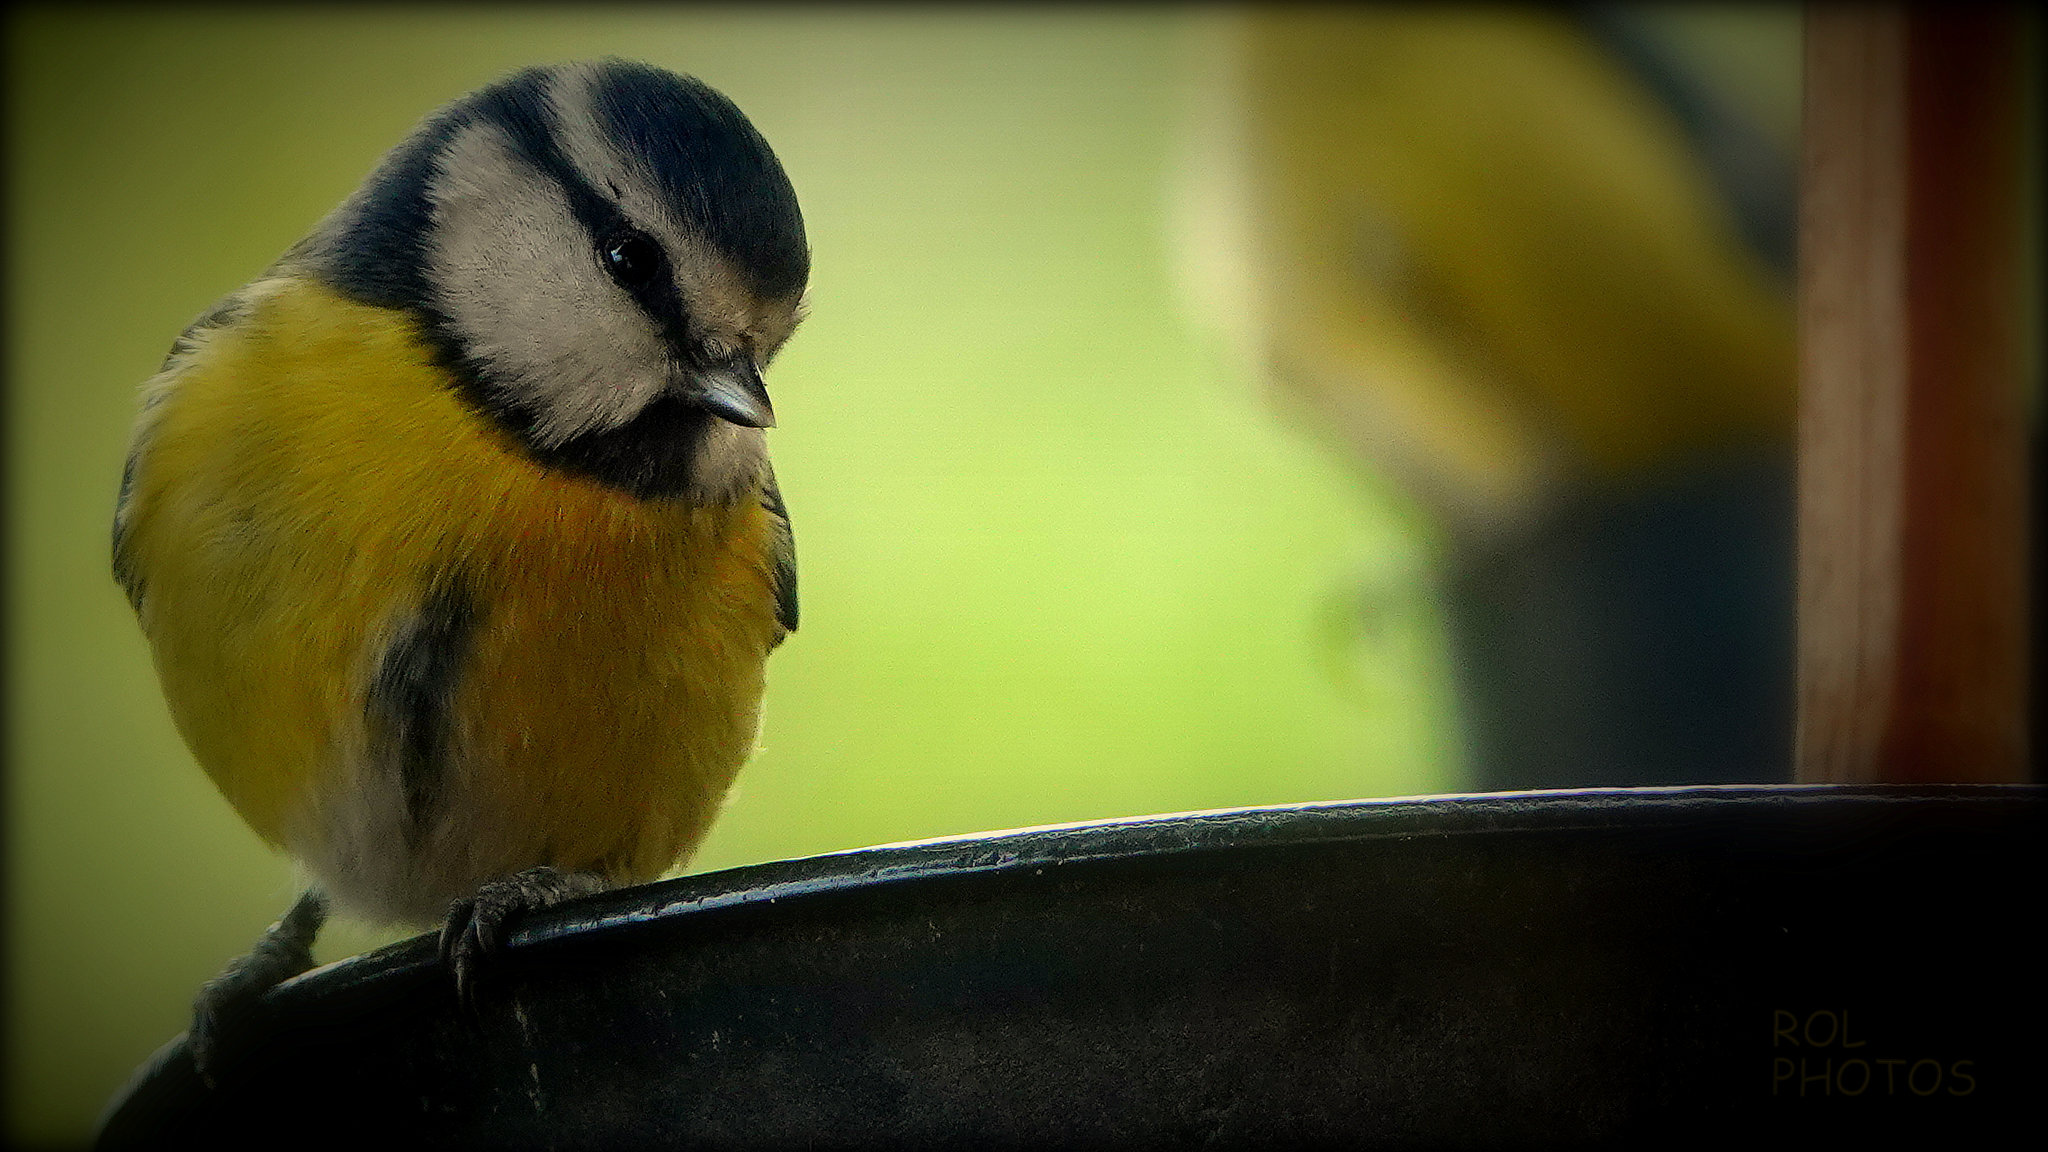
column 1913, row 614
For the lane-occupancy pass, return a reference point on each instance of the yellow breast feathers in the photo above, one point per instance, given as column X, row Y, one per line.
column 406, row 652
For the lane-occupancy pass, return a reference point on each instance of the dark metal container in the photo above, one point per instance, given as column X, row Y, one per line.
column 1618, row 967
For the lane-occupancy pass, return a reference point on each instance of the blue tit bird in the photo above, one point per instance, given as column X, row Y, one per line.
column 454, row 534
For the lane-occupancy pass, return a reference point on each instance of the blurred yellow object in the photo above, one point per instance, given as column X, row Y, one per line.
column 1481, row 254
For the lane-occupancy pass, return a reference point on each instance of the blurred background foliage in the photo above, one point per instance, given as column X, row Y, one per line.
column 1102, row 442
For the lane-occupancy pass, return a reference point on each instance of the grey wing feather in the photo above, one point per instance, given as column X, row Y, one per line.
column 224, row 312
column 124, row 573
column 785, row 554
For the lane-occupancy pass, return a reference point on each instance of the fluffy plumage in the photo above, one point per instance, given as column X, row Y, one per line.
column 454, row 535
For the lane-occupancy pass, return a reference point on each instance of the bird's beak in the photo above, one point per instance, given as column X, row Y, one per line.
column 732, row 391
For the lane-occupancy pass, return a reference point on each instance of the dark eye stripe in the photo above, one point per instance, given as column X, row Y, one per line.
column 705, row 157
column 529, row 121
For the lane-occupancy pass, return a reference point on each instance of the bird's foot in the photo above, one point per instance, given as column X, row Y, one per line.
column 221, row 1012
column 477, row 926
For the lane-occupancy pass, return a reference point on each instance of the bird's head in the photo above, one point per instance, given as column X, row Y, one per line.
column 606, row 255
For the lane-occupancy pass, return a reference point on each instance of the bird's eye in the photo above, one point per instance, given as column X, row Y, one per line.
column 632, row 258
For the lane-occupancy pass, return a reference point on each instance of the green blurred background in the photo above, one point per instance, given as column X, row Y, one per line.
column 1061, row 560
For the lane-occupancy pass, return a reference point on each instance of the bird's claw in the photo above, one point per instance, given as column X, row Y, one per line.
column 477, row 926
column 225, row 1003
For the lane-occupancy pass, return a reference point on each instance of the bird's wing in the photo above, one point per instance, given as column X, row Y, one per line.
column 785, row 554
column 188, row 342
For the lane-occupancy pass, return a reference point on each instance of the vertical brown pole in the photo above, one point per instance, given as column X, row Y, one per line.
column 1913, row 614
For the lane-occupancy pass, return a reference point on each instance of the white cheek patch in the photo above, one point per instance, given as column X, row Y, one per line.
column 515, row 274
